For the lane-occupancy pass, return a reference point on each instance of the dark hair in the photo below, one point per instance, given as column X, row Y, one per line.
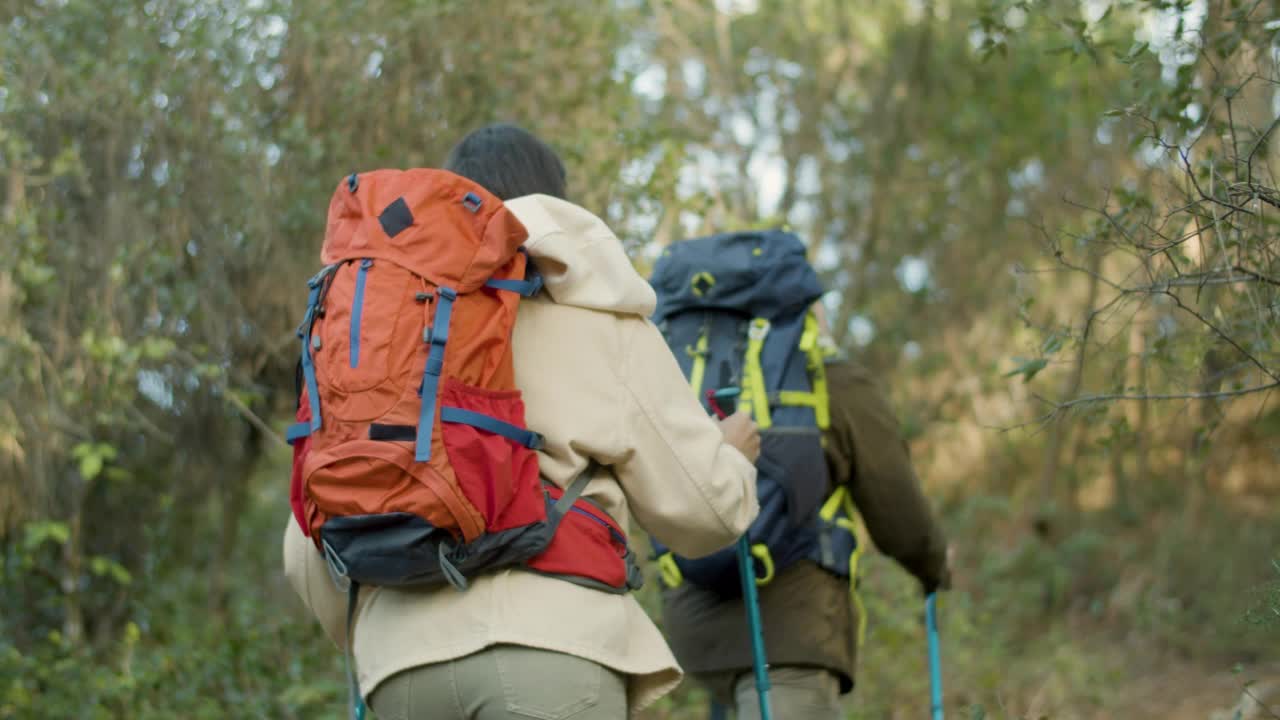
column 509, row 162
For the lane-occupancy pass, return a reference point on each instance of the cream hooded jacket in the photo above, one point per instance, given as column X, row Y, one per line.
column 598, row 382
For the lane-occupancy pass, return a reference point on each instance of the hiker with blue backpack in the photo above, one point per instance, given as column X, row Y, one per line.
column 741, row 312
column 484, row 404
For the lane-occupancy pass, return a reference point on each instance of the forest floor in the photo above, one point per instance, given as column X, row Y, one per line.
column 1187, row 691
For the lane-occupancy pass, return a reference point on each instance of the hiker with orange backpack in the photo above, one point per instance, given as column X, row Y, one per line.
column 741, row 313
column 483, row 405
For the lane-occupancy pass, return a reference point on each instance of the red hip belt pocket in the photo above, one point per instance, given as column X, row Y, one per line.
column 589, row 549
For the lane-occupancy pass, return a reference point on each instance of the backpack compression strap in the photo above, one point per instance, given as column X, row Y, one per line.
column 699, row 354
column 436, row 336
column 842, row 501
column 318, row 285
column 755, row 397
column 528, row 287
column 816, row 357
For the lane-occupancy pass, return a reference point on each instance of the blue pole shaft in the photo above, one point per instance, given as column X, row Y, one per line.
column 747, row 571
column 935, row 656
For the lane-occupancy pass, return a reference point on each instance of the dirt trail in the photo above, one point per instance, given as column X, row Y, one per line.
column 1190, row 693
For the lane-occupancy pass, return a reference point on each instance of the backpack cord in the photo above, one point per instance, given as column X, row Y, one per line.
column 338, row 573
column 353, row 688
column 571, row 494
column 450, row 571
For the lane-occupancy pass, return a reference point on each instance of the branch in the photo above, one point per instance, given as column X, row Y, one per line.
column 1256, row 275
column 245, row 411
column 1202, row 280
column 1261, row 139
column 1123, row 397
column 1217, row 394
column 1191, row 174
column 1191, row 311
column 253, row 419
column 1265, row 706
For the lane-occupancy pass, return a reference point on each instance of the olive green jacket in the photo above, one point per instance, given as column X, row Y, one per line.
column 808, row 614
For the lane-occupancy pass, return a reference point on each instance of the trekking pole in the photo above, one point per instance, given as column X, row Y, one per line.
column 747, row 572
column 747, row 569
column 935, row 655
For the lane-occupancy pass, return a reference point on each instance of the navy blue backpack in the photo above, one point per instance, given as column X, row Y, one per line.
column 735, row 310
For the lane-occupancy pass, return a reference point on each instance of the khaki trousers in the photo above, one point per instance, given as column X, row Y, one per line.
column 504, row 682
column 796, row 694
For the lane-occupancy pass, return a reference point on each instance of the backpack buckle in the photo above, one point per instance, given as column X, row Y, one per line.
column 759, row 328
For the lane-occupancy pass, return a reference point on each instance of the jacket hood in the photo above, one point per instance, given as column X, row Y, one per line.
column 581, row 261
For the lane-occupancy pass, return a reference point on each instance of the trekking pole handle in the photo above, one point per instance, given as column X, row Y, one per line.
column 714, row 396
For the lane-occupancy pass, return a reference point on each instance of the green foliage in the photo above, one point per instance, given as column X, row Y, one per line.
column 1264, row 612
column 178, row 655
column 164, row 169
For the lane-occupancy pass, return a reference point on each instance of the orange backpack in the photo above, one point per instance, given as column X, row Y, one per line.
column 412, row 462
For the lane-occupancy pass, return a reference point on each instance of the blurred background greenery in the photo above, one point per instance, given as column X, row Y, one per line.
column 1050, row 225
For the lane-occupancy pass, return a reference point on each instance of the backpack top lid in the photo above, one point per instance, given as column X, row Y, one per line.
column 439, row 225
column 763, row 274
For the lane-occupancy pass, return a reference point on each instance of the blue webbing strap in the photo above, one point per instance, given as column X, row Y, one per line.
column 437, row 336
column 530, row 286
column 357, row 310
column 297, row 431
column 317, row 286
column 526, row 288
column 527, row 438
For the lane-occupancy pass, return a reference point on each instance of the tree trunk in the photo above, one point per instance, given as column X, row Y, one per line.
column 72, row 569
column 1051, row 492
column 1136, row 414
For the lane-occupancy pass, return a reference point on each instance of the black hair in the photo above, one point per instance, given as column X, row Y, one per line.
column 509, row 162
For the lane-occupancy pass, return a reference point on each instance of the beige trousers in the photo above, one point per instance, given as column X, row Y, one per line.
column 504, row 682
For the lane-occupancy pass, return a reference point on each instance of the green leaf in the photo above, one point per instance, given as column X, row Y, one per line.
column 38, row 533
column 1027, row 368
column 1134, row 53
column 120, row 574
column 1052, row 344
column 91, row 466
column 106, row 567
column 157, row 348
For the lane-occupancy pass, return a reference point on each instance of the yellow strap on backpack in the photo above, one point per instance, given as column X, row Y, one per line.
column 755, row 397
column 810, row 343
column 669, row 571
column 838, row 500
column 699, row 353
column 815, row 356
column 761, row 551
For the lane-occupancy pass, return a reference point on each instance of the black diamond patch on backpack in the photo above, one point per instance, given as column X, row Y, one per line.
column 396, row 218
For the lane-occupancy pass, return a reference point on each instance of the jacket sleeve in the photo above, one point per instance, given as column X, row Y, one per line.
column 866, row 450
column 685, row 485
column 305, row 569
